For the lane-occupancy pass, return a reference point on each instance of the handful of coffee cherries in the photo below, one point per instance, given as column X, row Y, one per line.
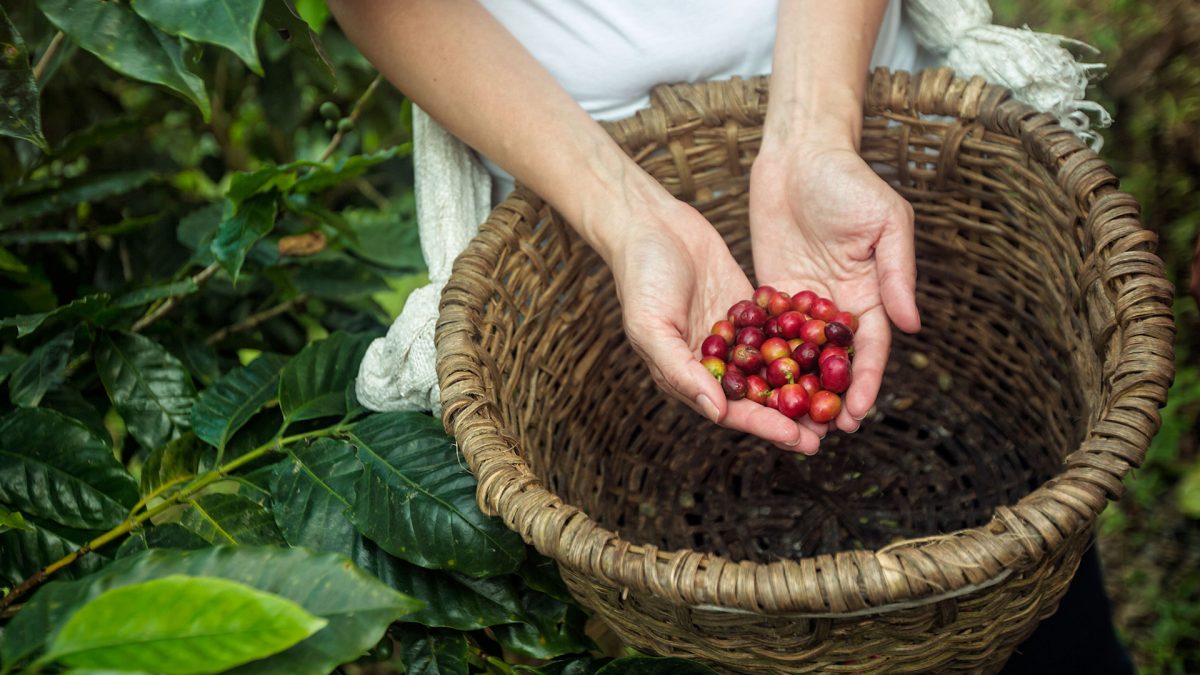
column 788, row 352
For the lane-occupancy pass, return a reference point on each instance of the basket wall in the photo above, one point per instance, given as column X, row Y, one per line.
column 1001, row 423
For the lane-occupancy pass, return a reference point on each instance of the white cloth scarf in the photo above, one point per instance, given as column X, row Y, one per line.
column 453, row 190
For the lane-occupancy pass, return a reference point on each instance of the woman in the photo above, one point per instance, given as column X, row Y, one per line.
column 820, row 218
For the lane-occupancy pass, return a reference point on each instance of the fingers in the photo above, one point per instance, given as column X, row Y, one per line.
column 770, row 425
column 896, row 265
column 871, row 344
column 677, row 371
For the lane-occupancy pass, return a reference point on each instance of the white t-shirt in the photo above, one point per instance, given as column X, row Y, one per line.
column 609, row 54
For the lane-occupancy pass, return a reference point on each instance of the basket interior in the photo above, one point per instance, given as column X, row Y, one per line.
column 974, row 412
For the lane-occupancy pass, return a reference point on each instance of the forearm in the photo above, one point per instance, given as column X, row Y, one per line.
column 822, row 54
column 468, row 72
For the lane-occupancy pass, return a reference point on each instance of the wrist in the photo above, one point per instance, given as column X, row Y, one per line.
column 615, row 201
column 826, row 118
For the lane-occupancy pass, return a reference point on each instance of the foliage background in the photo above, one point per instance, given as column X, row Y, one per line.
column 137, row 183
column 1150, row 540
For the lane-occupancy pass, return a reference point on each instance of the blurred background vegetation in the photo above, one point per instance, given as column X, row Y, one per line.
column 1150, row 540
column 160, row 162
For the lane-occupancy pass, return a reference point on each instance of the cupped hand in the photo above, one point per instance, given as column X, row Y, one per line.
column 675, row 277
column 822, row 220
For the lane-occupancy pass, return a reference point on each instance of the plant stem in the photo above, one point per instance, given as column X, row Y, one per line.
column 160, row 311
column 254, row 319
column 51, row 50
column 157, row 492
column 134, row 519
column 354, row 115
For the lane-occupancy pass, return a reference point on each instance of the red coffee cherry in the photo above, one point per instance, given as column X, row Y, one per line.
column 774, row 349
column 724, row 328
column 783, row 371
column 802, row 301
column 751, row 336
column 714, row 365
column 715, row 345
column 824, row 406
column 762, row 296
column 757, row 389
column 823, row 309
column 835, row 374
column 793, row 401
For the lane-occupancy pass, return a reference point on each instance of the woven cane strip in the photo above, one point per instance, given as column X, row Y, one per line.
column 940, row 534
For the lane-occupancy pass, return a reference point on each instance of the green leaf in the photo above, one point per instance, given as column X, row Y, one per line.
column 573, row 665
column 9, row 363
column 53, row 467
column 652, row 665
column 69, row 401
column 326, row 175
column 147, row 295
column 225, row 23
column 314, row 382
column 283, row 17
column 314, row 12
column 273, row 177
column 43, row 237
column 232, row 400
column 416, row 499
column 389, row 237
column 236, row 235
column 197, row 229
column 86, row 307
column 312, row 491
column 338, row 279
column 453, row 600
column 231, row 519
column 20, row 114
column 128, row 45
column 541, row 574
column 24, row 552
column 357, row 607
column 212, row 625
column 176, row 460
column 167, row 535
column 550, row 629
column 11, row 263
column 261, row 428
column 102, row 132
column 1187, row 492
column 12, row 520
column 44, row 369
column 88, row 188
column 149, row 387
column 428, row 651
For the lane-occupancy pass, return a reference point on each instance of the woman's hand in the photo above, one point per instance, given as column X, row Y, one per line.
column 822, row 220
column 675, row 278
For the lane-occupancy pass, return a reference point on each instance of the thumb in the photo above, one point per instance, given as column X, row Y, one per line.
column 677, row 371
column 896, row 267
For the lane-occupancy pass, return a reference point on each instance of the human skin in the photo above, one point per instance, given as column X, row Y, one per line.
column 819, row 216
column 672, row 271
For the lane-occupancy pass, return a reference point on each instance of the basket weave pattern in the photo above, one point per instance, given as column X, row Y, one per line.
column 934, row 539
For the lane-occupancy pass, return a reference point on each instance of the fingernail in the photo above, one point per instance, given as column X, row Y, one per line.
column 707, row 407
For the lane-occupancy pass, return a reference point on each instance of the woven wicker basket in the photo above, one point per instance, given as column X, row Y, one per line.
column 934, row 539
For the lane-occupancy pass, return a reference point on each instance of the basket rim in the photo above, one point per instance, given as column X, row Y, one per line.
column 1136, row 297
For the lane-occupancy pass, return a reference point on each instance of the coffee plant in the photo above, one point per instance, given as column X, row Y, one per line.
column 206, row 215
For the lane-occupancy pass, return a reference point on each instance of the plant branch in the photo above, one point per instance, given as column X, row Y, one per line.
column 354, row 115
column 134, row 520
column 160, row 311
column 51, row 50
column 253, row 320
